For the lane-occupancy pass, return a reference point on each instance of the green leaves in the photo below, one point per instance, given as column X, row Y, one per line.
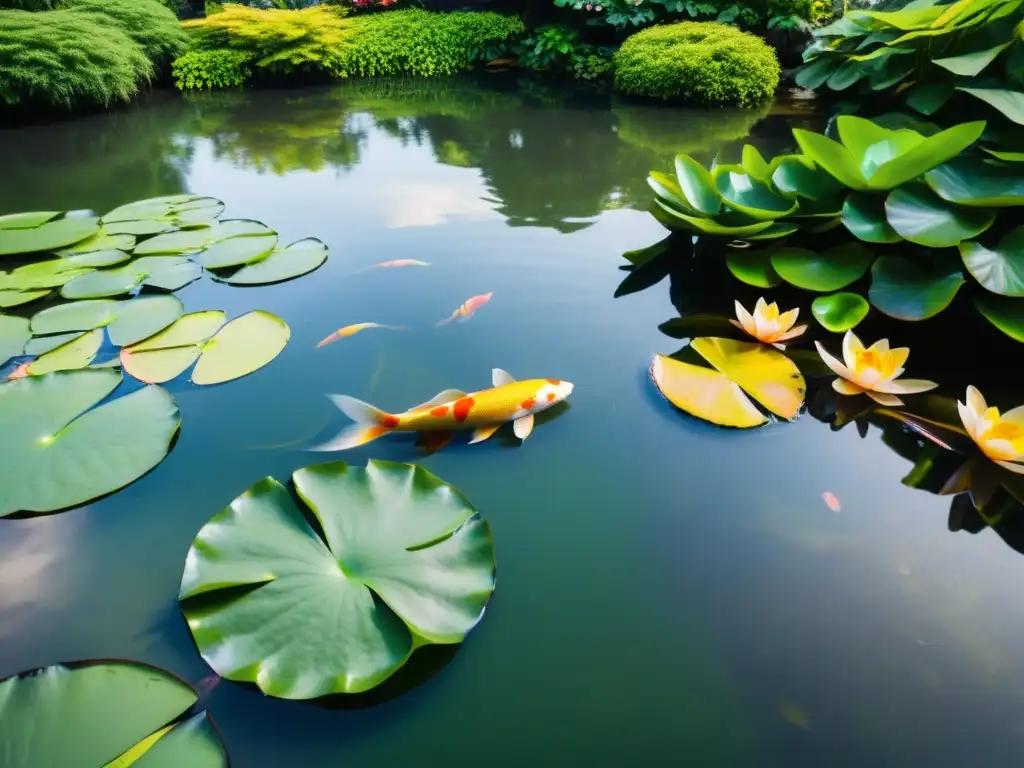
column 127, row 322
column 753, row 267
column 104, row 713
column 919, row 215
column 404, row 560
column 999, row 269
column 750, row 196
column 1009, row 103
column 975, row 182
column 24, row 234
column 970, row 64
column 864, row 217
column 839, row 312
column 14, row 333
column 63, row 451
column 902, row 289
column 166, row 272
column 281, row 264
column 828, row 271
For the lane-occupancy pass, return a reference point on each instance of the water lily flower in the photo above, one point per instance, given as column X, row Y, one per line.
column 873, row 371
column 1000, row 437
column 766, row 324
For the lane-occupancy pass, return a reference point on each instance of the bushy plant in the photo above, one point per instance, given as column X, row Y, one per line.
column 697, row 61
column 220, row 68
column 66, row 58
column 149, row 23
column 554, row 48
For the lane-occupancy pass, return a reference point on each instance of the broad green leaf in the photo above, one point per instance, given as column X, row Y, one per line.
column 61, row 451
column 705, row 393
column 849, row 73
column 754, row 163
column 236, row 251
column 17, row 298
column 169, row 353
column 667, row 188
column 902, row 289
column 14, row 334
column 140, row 210
column 796, row 175
column 749, row 196
column 101, row 241
column 762, row 372
column 199, row 212
column 1009, row 103
column 48, row 236
column 94, row 713
column 138, row 228
column 864, row 217
column 823, row 272
column 839, row 312
column 814, row 75
column 74, row 354
column 241, row 347
column 999, row 269
column 864, row 138
column 642, row 256
column 919, row 18
column 54, row 273
column 752, row 266
column 1009, row 157
column 29, row 220
column 970, row 64
column 929, row 97
column 919, row 215
column 698, row 186
column 40, row 345
column 832, row 157
column 292, row 261
column 193, row 240
column 675, row 220
column 774, row 232
column 127, row 322
column 925, row 155
column 1004, row 313
column 404, row 560
column 973, row 181
column 165, row 272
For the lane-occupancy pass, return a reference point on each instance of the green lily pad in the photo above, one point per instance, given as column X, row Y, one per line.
column 676, row 220
column 749, row 195
column 54, row 273
column 902, row 289
column 832, row 157
column 17, row 298
column 140, row 210
column 797, row 176
column 864, row 217
column 138, row 228
column 754, row 164
column 823, row 272
column 225, row 351
column 1009, row 103
column 14, row 334
column 40, row 345
column 202, row 211
column 999, row 269
column 404, row 561
column 1007, row 156
column 698, row 186
column 104, row 713
column 76, row 353
column 187, row 241
column 62, row 451
column 48, row 236
column 127, row 322
column 972, row 181
column 1006, row 314
column 752, row 266
column 101, row 241
column 669, row 190
column 236, row 251
column 777, row 230
column 292, row 261
column 29, row 220
column 919, row 215
column 165, row 272
column 839, row 312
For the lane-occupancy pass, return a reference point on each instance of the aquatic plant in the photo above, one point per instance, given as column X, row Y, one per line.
column 767, row 324
column 999, row 436
column 873, row 371
column 697, row 61
column 399, row 558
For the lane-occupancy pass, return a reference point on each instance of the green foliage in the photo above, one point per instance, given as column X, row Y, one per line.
column 697, row 61
column 147, row 22
column 29, row 5
column 622, row 14
column 66, row 58
column 218, row 68
column 556, row 48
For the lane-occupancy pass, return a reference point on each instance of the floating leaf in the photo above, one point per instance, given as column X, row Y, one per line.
column 140, row 210
column 236, row 251
column 40, row 345
column 705, row 393
column 749, row 195
column 48, row 236
column 1009, row 103
column 166, row 272
column 831, row 156
column 169, row 353
column 127, row 322
column 54, row 273
column 797, row 176
column 824, row 272
column 193, row 240
column 764, row 373
column 104, row 713
column 76, row 353
column 919, row 215
column 972, row 181
column 698, row 186
column 404, row 560
column 14, row 334
column 902, row 289
column 1004, row 313
column 840, row 312
column 62, row 451
column 673, row 219
column 752, row 266
column 292, row 261
column 139, row 228
column 999, row 269
column 101, row 241
column 17, row 298
column 864, row 217
column 29, row 220
column 698, row 324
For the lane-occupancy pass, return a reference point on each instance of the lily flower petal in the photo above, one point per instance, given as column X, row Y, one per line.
column 844, row 387
column 793, row 333
column 976, row 401
column 969, row 417
column 906, row 386
column 897, row 358
column 880, row 347
column 788, row 319
column 883, row 399
column 1012, row 466
column 852, row 346
column 1014, row 416
column 832, row 362
column 999, row 450
column 747, row 322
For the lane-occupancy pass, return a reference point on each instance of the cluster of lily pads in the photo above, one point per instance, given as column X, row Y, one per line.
column 926, row 215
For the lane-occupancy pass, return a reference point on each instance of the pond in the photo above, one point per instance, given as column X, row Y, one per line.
column 666, row 588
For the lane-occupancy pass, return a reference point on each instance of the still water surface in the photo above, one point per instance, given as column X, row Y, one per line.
column 668, row 592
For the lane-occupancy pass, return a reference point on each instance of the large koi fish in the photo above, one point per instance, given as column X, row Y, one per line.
column 438, row 418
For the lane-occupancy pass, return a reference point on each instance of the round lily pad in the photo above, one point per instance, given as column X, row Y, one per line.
column 840, row 312
column 404, row 560
column 281, row 264
column 752, row 266
column 75, row 353
column 104, row 713
column 864, row 217
column 61, row 451
column 101, row 241
column 166, row 272
column 827, row 271
column 764, row 373
column 14, row 333
column 751, row 196
column 902, row 289
column 192, row 240
column 999, row 269
column 1004, row 313
column 705, row 393
column 48, row 236
column 919, row 215
column 127, row 322
column 26, row 220
column 17, row 298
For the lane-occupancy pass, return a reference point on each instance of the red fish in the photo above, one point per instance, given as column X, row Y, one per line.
column 468, row 309
column 830, row 499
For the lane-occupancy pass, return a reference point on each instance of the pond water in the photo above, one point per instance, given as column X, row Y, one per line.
column 667, row 591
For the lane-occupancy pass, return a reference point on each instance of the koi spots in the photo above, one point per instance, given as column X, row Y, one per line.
column 441, row 410
column 528, row 403
column 462, row 407
column 551, row 397
column 556, row 382
column 390, row 422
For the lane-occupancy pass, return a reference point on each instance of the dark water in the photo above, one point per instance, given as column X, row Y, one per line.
column 668, row 593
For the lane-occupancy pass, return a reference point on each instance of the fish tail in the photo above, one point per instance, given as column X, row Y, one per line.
column 363, row 413
column 351, row 436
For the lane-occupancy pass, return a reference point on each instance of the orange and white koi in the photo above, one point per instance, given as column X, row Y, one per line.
column 401, row 263
column 468, row 308
column 350, row 330
column 450, row 410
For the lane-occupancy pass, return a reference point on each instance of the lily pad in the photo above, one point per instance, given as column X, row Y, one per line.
column 17, row 298
column 104, row 713
column 236, row 251
column 49, row 236
column 193, row 240
column 999, row 269
column 127, row 322
column 292, row 261
column 138, row 228
column 54, row 273
column 62, row 451
column 752, row 266
column 165, row 272
column 75, row 353
column 404, row 561
column 824, row 272
column 902, row 289
column 225, row 352
column 864, row 217
column 1004, row 313
column 919, row 215
column 14, row 333
column 674, row 219
column 28, row 220
column 101, row 241
column 705, row 393
column 973, row 181
column 840, row 312
column 765, row 374
column 749, row 195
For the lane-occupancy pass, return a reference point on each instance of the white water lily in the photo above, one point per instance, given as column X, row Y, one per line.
column 766, row 324
column 872, row 371
column 1000, row 437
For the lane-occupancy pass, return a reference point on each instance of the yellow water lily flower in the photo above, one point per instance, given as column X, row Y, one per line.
column 1000, row 437
column 872, row 371
column 767, row 325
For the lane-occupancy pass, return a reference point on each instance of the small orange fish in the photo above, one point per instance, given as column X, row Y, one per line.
column 468, row 309
column 401, row 263
column 829, row 498
column 350, row 330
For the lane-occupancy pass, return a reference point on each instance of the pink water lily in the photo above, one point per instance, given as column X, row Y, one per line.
column 767, row 324
column 872, row 371
column 1000, row 436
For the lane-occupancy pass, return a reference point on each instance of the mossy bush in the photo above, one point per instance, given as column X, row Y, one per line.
column 149, row 23
column 203, row 70
column 696, row 61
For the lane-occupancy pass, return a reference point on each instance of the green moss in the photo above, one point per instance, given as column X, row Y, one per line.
column 154, row 27
column 697, row 61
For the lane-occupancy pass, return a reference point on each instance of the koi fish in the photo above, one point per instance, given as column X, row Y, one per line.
column 450, row 410
column 830, row 499
column 468, row 309
column 350, row 330
column 395, row 263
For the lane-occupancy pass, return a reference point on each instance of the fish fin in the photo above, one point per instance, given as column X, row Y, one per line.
column 444, row 396
column 500, row 378
column 350, row 437
column 523, row 426
column 434, row 441
column 482, row 433
column 360, row 412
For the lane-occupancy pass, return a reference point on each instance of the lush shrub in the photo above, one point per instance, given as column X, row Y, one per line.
column 66, row 58
column 221, row 68
column 153, row 26
column 697, row 61
column 29, row 5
